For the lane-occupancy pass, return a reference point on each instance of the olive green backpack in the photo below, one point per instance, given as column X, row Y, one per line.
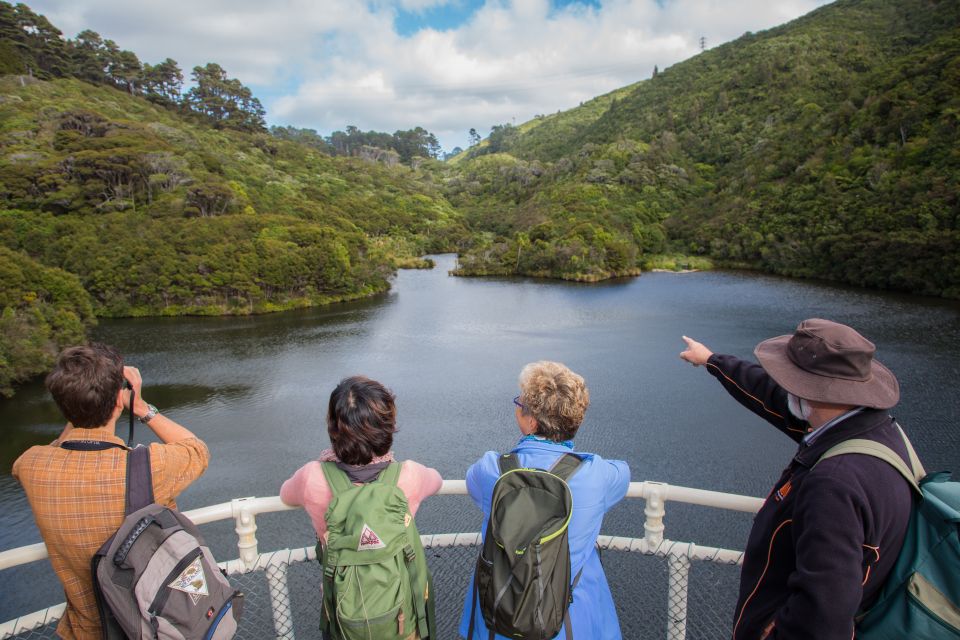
column 376, row 583
column 522, row 577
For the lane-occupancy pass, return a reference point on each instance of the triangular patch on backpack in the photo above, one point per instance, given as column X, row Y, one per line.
column 369, row 539
column 192, row 581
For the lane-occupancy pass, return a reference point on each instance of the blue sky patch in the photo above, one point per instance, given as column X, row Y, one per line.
column 442, row 18
column 456, row 13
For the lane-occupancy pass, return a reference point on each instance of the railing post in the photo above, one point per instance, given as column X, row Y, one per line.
column 654, row 511
column 246, row 532
column 678, row 577
column 276, row 572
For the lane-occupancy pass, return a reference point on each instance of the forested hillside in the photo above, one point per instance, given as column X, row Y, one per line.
column 115, row 201
column 823, row 148
column 827, row 147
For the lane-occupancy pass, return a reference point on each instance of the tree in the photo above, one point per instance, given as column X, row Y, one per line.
column 502, row 137
column 474, row 137
column 126, row 70
column 87, row 58
column 523, row 241
column 224, row 100
column 41, row 48
column 162, row 82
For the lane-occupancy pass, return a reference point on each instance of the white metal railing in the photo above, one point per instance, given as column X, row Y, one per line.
column 245, row 510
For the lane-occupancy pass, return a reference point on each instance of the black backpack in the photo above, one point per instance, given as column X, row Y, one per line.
column 523, row 572
column 155, row 577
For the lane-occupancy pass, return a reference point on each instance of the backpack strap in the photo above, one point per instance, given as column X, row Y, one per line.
column 390, row 474
column 337, row 480
column 918, row 471
column 565, row 466
column 419, row 599
column 139, row 479
column 885, row 453
column 508, row 462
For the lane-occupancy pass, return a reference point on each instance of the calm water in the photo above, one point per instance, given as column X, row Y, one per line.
column 256, row 388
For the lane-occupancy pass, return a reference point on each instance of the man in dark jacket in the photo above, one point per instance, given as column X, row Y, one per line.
column 829, row 533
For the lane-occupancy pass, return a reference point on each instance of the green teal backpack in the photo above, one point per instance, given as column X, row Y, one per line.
column 921, row 598
column 376, row 584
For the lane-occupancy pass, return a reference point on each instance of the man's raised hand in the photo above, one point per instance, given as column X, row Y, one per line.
column 695, row 353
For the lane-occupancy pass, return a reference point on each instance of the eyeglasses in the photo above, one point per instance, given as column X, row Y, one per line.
column 517, row 402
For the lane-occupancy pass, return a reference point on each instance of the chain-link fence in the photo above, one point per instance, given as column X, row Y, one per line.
column 645, row 596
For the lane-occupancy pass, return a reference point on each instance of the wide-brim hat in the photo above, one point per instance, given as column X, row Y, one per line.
column 827, row 361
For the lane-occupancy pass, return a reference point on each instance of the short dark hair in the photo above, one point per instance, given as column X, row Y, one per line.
column 85, row 382
column 361, row 420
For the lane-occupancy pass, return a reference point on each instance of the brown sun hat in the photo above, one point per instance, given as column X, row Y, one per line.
column 827, row 361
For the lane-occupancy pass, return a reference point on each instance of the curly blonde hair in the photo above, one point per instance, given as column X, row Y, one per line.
column 556, row 396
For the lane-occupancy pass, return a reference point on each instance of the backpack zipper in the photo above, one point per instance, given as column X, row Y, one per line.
column 216, row 622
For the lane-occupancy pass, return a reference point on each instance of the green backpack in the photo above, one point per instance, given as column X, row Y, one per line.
column 523, row 572
column 376, row 584
column 921, row 598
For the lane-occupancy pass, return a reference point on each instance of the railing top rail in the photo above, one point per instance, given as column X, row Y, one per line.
column 254, row 506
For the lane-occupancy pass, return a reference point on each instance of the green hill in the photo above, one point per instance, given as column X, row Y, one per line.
column 822, row 148
column 158, row 214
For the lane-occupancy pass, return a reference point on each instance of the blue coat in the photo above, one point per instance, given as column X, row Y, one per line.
column 597, row 485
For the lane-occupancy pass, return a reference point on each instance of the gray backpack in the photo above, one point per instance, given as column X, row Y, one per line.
column 155, row 577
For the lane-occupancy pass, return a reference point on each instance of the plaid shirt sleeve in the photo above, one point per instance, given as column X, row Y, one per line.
column 175, row 465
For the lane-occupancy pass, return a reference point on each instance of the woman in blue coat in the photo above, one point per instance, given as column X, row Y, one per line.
column 549, row 411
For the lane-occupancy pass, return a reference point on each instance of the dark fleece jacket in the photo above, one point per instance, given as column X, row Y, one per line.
column 826, row 538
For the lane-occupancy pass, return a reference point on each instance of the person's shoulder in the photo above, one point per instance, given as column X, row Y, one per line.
column 30, row 458
column 595, row 460
column 486, row 465
column 186, row 452
column 192, row 442
column 846, row 479
column 413, row 468
column 855, row 473
column 310, row 468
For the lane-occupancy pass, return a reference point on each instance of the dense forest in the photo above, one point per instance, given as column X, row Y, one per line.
column 823, row 148
column 116, row 200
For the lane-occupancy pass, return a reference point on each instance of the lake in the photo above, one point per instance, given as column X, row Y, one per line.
column 256, row 388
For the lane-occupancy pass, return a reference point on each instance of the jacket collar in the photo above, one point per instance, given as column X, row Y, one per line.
column 540, row 445
column 859, row 425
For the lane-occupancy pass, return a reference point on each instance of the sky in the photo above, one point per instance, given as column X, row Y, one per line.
column 445, row 65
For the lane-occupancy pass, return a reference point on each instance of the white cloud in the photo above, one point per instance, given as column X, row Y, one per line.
column 329, row 64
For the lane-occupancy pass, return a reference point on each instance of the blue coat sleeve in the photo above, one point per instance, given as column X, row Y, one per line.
column 480, row 479
column 617, row 483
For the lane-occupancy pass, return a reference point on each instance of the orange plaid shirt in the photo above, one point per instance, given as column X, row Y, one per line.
column 78, row 499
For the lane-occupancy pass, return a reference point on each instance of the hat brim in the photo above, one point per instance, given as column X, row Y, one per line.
column 881, row 391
